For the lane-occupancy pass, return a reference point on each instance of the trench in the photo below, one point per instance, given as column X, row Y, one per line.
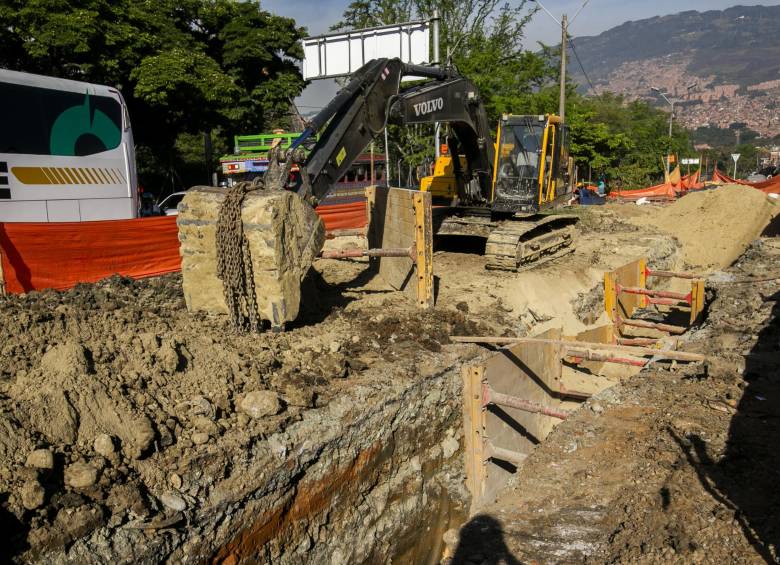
column 385, row 489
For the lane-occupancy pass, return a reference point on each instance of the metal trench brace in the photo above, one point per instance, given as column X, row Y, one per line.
column 513, row 399
column 410, row 252
column 626, row 292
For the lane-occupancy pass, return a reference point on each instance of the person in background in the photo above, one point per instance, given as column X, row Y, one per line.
column 602, row 186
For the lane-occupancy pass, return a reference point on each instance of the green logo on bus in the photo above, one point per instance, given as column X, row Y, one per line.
column 76, row 122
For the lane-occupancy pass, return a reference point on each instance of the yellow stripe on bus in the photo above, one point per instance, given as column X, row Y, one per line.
column 67, row 175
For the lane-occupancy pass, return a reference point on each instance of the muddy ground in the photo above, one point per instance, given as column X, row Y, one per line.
column 133, row 430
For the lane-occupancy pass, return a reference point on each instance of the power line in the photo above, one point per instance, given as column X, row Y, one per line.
column 593, row 88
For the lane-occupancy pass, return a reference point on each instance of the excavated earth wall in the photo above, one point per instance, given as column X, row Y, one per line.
column 131, row 430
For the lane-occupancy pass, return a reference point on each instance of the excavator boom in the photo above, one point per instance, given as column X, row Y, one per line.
column 373, row 98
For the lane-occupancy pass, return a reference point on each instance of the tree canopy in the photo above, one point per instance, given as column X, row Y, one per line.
column 184, row 66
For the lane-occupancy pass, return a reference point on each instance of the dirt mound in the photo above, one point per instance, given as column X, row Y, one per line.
column 125, row 397
column 716, row 226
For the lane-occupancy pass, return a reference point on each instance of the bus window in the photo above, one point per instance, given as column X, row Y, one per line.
column 42, row 121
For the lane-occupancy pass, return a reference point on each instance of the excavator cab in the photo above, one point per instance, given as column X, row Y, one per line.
column 532, row 164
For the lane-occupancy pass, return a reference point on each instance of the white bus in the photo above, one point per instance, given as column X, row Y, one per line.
column 66, row 151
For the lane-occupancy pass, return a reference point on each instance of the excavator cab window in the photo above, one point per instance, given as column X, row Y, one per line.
column 519, row 150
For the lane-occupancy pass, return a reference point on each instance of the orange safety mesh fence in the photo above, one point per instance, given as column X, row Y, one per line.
column 352, row 215
column 60, row 255
column 664, row 191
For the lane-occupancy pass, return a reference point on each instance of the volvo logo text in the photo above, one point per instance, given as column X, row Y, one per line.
column 423, row 108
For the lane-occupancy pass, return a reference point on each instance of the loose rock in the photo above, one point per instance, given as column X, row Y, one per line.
column 80, row 475
column 33, row 495
column 40, row 459
column 173, row 501
column 261, row 403
column 104, row 446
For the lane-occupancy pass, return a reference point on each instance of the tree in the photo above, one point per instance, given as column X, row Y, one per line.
column 184, row 66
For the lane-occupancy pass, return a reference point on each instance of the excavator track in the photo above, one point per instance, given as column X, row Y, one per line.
column 522, row 244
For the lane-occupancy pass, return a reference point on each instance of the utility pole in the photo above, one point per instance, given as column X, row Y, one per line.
column 564, row 23
column 564, row 33
column 436, row 61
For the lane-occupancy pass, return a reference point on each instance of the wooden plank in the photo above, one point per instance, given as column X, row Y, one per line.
column 531, row 372
column 424, row 247
column 473, row 429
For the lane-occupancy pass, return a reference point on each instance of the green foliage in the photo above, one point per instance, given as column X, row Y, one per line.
column 184, row 66
column 623, row 140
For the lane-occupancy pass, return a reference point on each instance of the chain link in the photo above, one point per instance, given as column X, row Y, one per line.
column 234, row 260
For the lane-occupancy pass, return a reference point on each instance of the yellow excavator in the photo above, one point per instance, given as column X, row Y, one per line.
column 498, row 191
column 532, row 173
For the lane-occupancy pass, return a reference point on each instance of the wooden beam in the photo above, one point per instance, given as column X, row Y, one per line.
column 424, row 248
column 639, row 351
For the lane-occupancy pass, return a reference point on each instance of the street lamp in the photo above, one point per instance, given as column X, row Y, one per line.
column 564, row 23
column 671, row 121
column 671, row 102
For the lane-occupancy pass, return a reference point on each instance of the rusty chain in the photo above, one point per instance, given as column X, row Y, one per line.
column 234, row 260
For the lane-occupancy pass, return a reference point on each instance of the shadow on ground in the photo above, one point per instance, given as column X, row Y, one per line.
column 747, row 478
column 482, row 541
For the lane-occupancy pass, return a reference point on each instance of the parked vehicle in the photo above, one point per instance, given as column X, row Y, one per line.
column 66, row 151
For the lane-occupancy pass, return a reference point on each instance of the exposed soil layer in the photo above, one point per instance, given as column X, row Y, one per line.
column 130, row 428
column 674, row 465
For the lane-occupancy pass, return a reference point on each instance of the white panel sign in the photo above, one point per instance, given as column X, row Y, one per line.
column 689, row 161
column 341, row 54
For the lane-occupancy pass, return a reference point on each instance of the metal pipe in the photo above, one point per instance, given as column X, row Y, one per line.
column 667, row 301
column 490, row 396
column 582, row 355
column 671, row 274
column 351, row 253
column 639, row 351
column 653, row 326
column 491, row 451
column 654, row 293
column 636, row 341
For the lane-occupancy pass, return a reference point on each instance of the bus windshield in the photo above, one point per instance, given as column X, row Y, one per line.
column 44, row 121
column 519, row 150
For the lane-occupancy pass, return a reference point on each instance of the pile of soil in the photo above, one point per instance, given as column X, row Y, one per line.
column 118, row 408
column 716, row 226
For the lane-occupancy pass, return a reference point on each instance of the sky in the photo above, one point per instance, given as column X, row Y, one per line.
column 598, row 16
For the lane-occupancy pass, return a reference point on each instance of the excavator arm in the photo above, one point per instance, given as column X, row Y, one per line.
column 372, row 99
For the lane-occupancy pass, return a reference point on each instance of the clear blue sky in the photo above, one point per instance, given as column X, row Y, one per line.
column 598, row 16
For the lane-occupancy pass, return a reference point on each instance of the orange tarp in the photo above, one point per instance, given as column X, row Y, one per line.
column 771, row 186
column 60, row 255
column 343, row 216
column 666, row 191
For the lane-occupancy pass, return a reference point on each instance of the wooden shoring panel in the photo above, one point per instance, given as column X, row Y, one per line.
column 697, row 300
column 600, row 334
column 473, row 430
column 400, row 218
column 624, row 305
column 530, row 371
